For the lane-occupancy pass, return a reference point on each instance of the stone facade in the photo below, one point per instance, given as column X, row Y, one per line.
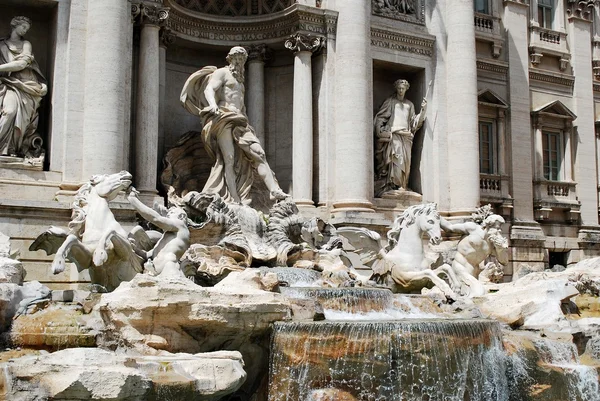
column 512, row 113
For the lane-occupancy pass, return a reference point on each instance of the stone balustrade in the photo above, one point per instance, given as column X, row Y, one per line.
column 543, row 41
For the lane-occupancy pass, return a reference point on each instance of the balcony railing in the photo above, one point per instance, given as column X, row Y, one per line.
column 484, row 23
column 543, row 42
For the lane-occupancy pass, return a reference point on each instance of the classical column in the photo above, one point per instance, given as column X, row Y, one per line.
column 166, row 38
column 461, row 89
column 501, row 142
column 538, row 150
column 151, row 17
column 302, row 131
column 580, row 39
column 106, row 90
column 255, row 89
column 353, row 176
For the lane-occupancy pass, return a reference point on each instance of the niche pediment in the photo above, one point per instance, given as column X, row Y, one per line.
column 489, row 98
column 555, row 109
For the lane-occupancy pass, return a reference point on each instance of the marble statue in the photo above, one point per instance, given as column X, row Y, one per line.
column 479, row 242
column 95, row 240
column 22, row 87
column 403, row 259
column 164, row 258
column 217, row 96
column 395, row 125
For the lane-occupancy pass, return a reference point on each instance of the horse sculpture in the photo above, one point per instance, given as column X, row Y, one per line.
column 403, row 260
column 95, row 241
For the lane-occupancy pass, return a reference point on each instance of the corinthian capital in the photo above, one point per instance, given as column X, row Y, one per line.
column 149, row 12
column 582, row 9
column 300, row 42
column 259, row 52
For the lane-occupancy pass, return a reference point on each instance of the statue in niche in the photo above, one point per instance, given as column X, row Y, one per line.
column 395, row 126
column 482, row 238
column 164, row 258
column 217, row 96
column 22, row 87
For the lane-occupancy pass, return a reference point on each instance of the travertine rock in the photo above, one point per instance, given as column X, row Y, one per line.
column 95, row 374
column 15, row 299
column 153, row 313
column 532, row 302
column 11, row 270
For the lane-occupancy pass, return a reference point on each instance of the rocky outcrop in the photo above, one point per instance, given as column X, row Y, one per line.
column 150, row 314
column 537, row 300
column 16, row 299
column 95, row 374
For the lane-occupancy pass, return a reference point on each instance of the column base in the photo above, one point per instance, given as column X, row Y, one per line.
column 304, row 203
column 148, row 197
column 353, row 205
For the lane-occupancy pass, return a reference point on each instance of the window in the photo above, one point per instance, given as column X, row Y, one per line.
column 551, row 145
column 487, row 148
column 545, row 13
column 481, row 6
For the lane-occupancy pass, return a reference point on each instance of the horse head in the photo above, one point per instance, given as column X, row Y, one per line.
column 428, row 219
column 108, row 186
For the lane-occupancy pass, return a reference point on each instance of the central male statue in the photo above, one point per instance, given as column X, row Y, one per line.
column 217, row 96
column 395, row 127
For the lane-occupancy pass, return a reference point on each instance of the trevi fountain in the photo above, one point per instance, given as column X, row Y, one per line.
column 226, row 291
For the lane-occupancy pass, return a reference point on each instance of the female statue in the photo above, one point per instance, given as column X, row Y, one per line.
column 22, row 87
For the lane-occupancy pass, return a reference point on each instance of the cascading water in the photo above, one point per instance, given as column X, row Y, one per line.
column 445, row 360
column 369, row 349
column 582, row 379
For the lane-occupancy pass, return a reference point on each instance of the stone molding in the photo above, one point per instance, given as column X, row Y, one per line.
column 596, row 86
column 552, row 78
column 236, row 7
column 409, row 11
column 392, row 40
column 299, row 42
column 495, row 67
column 148, row 12
column 581, row 9
column 259, row 52
column 267, row 29
column 517, row 2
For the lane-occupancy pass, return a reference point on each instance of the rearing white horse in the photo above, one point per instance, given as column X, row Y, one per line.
column 95, row 241
column 403, row 259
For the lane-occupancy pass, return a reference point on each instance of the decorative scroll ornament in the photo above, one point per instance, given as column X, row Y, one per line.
column 259, row 52
column 300, row 42
column 167, row 37
column 149, row 13
column 583, row 9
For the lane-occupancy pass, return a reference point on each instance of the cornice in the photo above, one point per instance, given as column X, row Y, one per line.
column 495, row 67
column 392, row 40
column 552, row 78
column 268, row 29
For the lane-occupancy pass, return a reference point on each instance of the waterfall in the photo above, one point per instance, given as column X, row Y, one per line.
column 404, row 360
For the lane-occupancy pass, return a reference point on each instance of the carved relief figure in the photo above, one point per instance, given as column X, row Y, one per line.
column 395, row 127
column 480, row 242
column 164, row 258
column 395, row 6
column 22, row 87
column 217, row 96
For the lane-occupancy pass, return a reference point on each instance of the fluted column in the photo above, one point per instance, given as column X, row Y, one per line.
column 461, row 86
column 255, row 89
column 166, row 38
column 106, row 90
column 302, row 131
column 151, row 17
column 353, row 175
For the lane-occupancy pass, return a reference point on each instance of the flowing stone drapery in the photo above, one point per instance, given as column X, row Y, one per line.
column 303, row 47
column 151, row 17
